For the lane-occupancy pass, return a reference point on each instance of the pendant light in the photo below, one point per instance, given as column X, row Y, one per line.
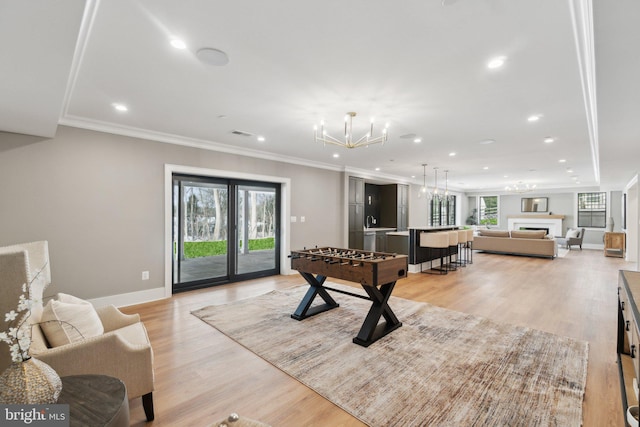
column 424, row 178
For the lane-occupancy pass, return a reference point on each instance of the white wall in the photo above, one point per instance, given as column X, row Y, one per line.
column 98, row 199
column 633, row 209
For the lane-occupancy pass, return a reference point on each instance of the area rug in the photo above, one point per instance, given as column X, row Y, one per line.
column 441, row 368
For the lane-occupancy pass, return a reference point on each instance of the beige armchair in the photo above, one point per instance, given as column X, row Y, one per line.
column 122, row 351
column 571, row 241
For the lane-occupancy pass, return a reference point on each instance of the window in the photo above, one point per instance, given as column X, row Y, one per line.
column 592, row 210
column 443, row 211
column 488, row 210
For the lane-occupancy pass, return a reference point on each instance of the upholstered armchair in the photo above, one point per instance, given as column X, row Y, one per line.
column 575, row 240
column 119, row 348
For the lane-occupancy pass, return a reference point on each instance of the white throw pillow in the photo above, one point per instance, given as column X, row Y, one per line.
column 71, row 299
column 572, row 233
column 68, row 320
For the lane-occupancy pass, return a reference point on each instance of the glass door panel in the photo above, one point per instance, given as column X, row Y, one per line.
column 201, row 232
column 256, row 228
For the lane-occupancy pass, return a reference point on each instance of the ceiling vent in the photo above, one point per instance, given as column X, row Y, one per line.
column 241, row 133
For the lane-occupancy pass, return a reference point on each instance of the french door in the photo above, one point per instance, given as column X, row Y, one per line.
column 223, row 231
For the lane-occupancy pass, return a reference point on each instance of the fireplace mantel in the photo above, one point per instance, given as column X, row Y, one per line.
column 551, row 222
column 535, row 216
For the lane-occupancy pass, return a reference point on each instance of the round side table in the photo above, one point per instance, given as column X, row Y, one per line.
column 95, row 400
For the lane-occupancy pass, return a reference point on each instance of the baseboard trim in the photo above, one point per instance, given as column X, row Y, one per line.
column 130, row 298
column 595, row 246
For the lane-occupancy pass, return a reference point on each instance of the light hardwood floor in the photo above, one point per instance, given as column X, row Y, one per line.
column 202, row 376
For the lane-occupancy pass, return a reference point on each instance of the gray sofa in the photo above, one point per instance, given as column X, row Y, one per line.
column 516, row 242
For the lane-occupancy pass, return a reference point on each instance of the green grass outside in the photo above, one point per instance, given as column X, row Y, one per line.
column 202, row 249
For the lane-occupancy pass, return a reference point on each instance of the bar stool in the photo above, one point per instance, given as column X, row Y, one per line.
column 435, row 241
column 470, row 246
column 453, row 248
column 461, row 259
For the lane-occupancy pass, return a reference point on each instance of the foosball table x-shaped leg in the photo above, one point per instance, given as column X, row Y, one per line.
column 304, row 309
column 370, row 331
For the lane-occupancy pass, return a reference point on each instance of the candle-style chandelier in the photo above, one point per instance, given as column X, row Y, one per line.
column 349, row 140
column 520, row 188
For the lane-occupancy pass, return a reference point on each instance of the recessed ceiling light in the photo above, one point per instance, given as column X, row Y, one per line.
column 212, row 56
column 178, row 44
column 120, row 107
column 336, row 155
column 377, row 169
column 487, row 141
column 452, row 154
column 548, row 140
column 260, row 138
column 534, row 118
column 413, row 176
column 506, row 176
column 496, row 62
column 486, row 168
column 569, row 170
column 417, row 140
column 562, row 160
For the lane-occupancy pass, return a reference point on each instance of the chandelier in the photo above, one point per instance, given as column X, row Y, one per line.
column 349, row 142
column 520, row 188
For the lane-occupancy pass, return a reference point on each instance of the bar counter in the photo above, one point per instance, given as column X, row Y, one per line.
column 408, row 243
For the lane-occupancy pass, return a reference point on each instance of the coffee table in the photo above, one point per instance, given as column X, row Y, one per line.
column 95, row 400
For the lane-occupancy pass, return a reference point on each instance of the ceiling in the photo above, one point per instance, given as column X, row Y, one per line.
column 420, row 65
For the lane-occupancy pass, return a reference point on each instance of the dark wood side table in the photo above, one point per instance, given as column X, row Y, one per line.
column 95, row 400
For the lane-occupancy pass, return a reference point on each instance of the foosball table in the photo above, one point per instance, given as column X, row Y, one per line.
column 377, row 273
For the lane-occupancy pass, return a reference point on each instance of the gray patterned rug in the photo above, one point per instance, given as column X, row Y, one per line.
column 441, row 368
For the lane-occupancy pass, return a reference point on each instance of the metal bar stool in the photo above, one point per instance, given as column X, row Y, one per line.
column 469, row 246
column 453, row 248
column 435, row 241
column 461, row 259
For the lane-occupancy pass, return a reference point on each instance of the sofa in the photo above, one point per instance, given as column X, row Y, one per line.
column 516, row 242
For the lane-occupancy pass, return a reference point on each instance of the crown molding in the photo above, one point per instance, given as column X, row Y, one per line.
column 582, row 20
column 106, row 127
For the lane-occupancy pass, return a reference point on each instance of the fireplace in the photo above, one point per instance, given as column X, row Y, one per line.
column 551, row 223
column 535, row 228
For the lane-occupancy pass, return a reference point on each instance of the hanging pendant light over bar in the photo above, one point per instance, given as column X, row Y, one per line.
column 349, row 142
column 447, row 196
column 424, row 191
column 435, row 187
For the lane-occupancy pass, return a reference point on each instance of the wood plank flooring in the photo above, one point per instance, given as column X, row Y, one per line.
column 202, row 376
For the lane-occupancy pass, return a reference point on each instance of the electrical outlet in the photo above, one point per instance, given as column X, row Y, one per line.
column 145, row 275
column 302, row 219
column 294, row 219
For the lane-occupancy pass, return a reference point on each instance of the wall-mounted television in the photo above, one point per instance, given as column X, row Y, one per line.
column 534, row 204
